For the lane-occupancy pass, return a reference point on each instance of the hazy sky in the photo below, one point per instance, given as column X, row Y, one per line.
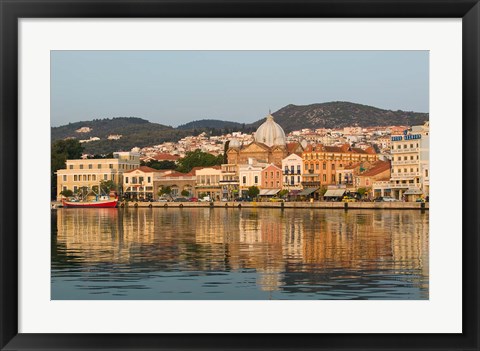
column 176, row 87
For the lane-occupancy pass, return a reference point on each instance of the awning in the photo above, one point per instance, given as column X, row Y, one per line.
column 307, row 191
column 294, row 192
column 334, row 193
column 413, row 191
column 269, row 192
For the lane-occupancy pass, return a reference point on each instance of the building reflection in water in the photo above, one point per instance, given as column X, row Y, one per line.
column 290, row 250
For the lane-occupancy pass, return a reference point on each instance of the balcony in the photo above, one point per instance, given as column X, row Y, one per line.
column 407, row 162
column 404, row 151
column 406, row 175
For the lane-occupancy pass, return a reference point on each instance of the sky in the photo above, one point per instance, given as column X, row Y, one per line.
column 176, row 87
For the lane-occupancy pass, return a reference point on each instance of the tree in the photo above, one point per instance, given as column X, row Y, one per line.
column 107, row 185
column 322, row 191
column 198, row 158
column 283, row 193
column 185, row 192
column 253, row 192
column 165, row 190
column 66, row 193
column 61, row 151
column 361, row 191
column 159, row 164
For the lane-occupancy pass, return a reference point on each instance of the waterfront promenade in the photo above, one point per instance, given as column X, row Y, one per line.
column 286, row 205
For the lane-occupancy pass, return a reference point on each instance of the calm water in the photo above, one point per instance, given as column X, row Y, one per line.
column 203, row 253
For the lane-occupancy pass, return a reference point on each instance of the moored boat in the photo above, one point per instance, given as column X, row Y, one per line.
column 91, row 204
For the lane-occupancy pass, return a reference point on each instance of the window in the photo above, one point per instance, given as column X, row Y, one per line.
column 64, row 188
column 411, row 146
column 324, row 165
column 90, row 166
column 126, row 180
column 113, row 177
column 278, row 184
column 298, row 169
column 110, row 166
column 292, row 168
column 99, row 166
column 256, row 179
column 286, row 179
column 286, row 169
column 81, row 166
column 317, row 166
column 148, row 179
column 399, row 146
column 399, row 170
column 244, row 180
column 70, row 166
column 298, row 179
column 324, row 177
column 341, row 165
column 271, row 184
column 75, row 189
column 105, row 177
column 134, row 180
column 426, row 173
column 64, row 179
column 399, row 158
column 405, row 158
column 411, row 157
column 405, row 170
column 333, row 165
column 140, row 179
column 88, row 177
column 75, row 178
column 411, row 170
column 333, row 178
column 417, row 144
column 266, row 184
column 94, row 177
column 404, row 146
column 306, row 167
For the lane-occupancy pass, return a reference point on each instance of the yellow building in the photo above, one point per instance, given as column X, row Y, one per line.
column 90, row 172
column 321, row 163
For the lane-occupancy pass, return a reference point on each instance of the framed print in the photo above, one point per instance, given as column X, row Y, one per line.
column 221, row 175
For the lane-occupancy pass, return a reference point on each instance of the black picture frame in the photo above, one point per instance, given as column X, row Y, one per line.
column 12, row 10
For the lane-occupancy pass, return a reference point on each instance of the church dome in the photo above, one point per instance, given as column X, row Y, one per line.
column 270, row 133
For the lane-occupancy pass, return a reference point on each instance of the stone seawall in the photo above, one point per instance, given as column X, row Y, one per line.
column 326, row 205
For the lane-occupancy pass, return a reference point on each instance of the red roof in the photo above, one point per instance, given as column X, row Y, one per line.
column 378, row 167
column 144, row 169
column 161, row 156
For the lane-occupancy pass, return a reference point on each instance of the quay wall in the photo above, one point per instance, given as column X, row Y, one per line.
column 286, row 205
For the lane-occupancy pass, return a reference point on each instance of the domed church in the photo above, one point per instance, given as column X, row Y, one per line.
column 269, row 145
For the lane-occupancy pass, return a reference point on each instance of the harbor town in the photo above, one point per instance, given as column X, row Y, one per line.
column 351, row 167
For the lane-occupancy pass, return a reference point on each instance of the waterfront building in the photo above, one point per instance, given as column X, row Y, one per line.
column 292, row 166
column 208, row 182
column 379, row 171
column 139, row 183
column 229, row 181
column 250, row 174
column 271, row 180
column 410, row 165
column 320, row 163
column 177, row 182
column 87, row 173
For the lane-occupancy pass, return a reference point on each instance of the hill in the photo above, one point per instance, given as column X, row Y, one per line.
column 339, row 114
column 134, row 132
column 212, row 123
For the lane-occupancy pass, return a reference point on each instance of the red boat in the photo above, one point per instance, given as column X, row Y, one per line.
column 91, row 204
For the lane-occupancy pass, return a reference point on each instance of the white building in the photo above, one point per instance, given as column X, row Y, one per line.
column 292, row 172
column 250, row 174
column 410, row 174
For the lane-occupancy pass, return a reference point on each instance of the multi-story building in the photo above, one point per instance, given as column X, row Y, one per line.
column 292, row 166
column 208, row 182
column 320, row 163
column 229, row 181
column 250, row 174
column 271, row 180
column 88, row 173
column 410, row 165
column 139, row 183
column 178, row 183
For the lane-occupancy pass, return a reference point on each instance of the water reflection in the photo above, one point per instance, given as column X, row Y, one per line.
column 203, row 253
